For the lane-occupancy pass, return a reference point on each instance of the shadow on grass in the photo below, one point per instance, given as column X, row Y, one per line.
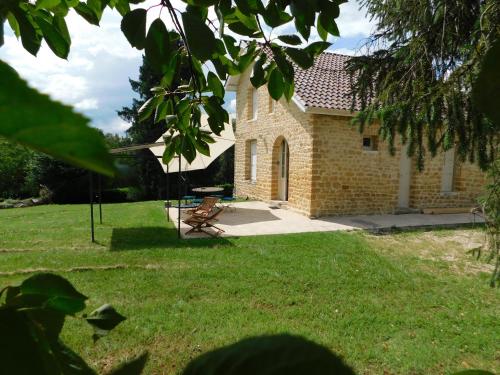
column 141, row 238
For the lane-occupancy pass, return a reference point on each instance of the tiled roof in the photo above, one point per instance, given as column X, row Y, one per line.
column 326, row 84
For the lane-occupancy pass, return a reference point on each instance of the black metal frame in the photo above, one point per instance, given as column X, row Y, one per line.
column 99, row 187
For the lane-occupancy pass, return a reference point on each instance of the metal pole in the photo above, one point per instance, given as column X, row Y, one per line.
column 100, row 197
column 91, row 197
column 179, row 202
column 168, row 197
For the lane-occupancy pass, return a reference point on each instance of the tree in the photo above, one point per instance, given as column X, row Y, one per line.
column 151, row 178
column 196, row 40
column 15, row 163
column 418, row 81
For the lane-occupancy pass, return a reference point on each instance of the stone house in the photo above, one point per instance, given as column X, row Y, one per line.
column 307, row 154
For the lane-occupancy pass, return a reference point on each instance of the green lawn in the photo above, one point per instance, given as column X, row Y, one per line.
column 395, row 304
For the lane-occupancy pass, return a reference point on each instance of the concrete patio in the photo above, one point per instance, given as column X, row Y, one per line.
column 257, row 218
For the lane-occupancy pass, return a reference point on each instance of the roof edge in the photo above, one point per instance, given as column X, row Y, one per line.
column 320, row 110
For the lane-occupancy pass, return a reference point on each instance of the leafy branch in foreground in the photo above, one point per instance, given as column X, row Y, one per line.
column 417, row 81
column 34, row 120
column 203, row 39
column 32, row 316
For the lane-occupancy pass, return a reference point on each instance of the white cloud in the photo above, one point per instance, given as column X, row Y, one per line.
column 115, row 125
column 353, row 21
column 86, row 104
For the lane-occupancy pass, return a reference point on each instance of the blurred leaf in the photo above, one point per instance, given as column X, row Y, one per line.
column 57, row 43
column 70, row 362
column 215, row 85
column 270, row 355
column 276, row 84
column 36, row 121
column 301, row 57
column 317, row 48
column 30, row 39
column 258, row 78
column 158, row 48
column 57, row 292
column 200, row 38
column 103, row 320
column 131, row 367
column 134, row 27
column 87, row 13
column 47, row 4
column 487, row 86
column 274, row 16
column 14, row 25
column 290, row 39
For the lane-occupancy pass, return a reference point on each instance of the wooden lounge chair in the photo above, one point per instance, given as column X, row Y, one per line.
column 201, row 223
column 205, row 208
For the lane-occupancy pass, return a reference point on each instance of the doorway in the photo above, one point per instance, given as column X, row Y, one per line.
column 284, row 160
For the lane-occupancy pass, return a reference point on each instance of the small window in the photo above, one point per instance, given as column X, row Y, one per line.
column 448, row 171
column 254, row 104
column 370, row 143
column 253, row 161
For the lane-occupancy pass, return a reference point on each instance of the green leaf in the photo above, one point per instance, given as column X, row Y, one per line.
column 135, row 366
column 276, row 84
column 231, row 46
column 258, row 77
column 47, row 4
column 290, row 39
column 14, row 25
column 134, row 27
column 328, row 23
column 317, row 48
column 161, row 112
column 274, row 17
column 158, row 48
column 123, row 7
column 487, row 86
column 61, row 27
column 57, row 292
column 57, row 43
column 36, row 121
column 103, row 320
column 201, row 47
column 241, row 29
column 87, row 13
column 148, row 107
column 30, row 39
column 289, row 90
column 215, row 85
column 301, row 57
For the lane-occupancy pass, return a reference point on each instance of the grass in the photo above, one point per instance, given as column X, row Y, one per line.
column 395, row 304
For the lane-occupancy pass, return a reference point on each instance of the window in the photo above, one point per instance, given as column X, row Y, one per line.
column 254, row 104
column 253, row 161
column 370, row 143
column 272, row 105
column 448, row 171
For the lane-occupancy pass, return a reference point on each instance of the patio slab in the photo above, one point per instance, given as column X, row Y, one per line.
column 257, row 218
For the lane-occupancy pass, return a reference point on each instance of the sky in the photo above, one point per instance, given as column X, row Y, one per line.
column 95, row 78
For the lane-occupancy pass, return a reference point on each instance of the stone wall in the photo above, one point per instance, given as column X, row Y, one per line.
column 330, row 173
column 468, row 185
column 287, row 122
column 346, row 178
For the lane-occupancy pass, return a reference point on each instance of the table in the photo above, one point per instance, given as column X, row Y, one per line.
column 207, row 190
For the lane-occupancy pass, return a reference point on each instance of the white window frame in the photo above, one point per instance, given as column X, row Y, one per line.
column 253, row 161
column 255, row 103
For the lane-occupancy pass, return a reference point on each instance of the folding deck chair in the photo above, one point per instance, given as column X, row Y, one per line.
column 201, row 223
column 205, row 208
